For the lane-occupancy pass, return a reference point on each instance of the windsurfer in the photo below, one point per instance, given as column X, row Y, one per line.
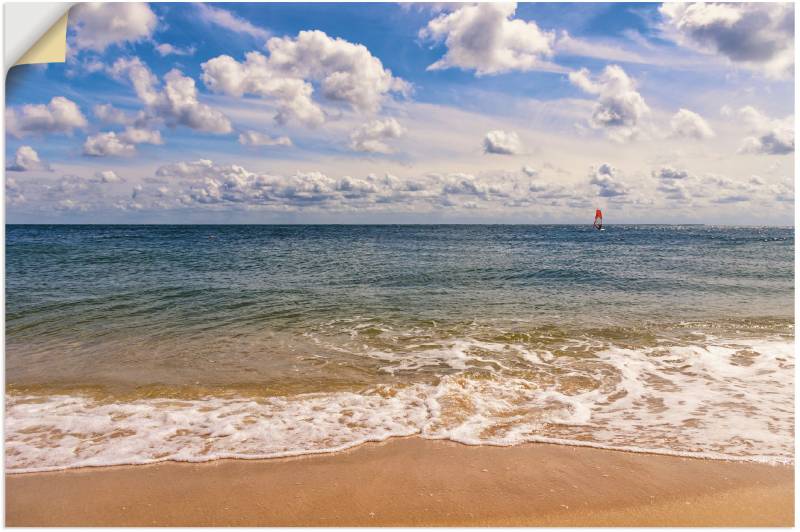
column 598, row 220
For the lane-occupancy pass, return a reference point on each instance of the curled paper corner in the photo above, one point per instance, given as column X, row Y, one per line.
column 51, row 47
column 34, row 33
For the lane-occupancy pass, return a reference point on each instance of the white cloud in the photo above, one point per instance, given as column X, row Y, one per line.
column 225, row 19
column 670, row 173
column 195, row 169
column 73, row 193
column 722, row 189
column 779, row 142
column 530, row 171
column 619, row 108
column 672, row 183
column 675, row 191
column 165, row 49
column 26, row 159
column 207, row 183
column 710, row 189
column 109, row 114
column 372, row 137
column 69, row 205
column 107, row 176
column 223, row 74
column 108, row 143
column 461, row 184
column 345, row 72
column 688, row 124
column 606, row 179
column 485, row 38
column 204, row 182
column 14, row 194
column 123, row 144
column 176, row 102
column 61, row 115
column 784, row 191
column 255, row 138
column 769, row 136
column 756, row 35
column 502, row 142
column 99, row 25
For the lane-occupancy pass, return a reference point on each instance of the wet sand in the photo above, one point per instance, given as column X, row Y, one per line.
column 409, row 482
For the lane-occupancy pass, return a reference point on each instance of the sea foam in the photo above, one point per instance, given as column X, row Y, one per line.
column 719, row 398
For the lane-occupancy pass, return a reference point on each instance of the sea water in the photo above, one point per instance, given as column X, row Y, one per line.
column 137, row 344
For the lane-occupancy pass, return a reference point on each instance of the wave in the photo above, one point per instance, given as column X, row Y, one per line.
column 716, row 398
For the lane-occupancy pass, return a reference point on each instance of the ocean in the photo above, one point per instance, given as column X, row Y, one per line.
column 138, row 344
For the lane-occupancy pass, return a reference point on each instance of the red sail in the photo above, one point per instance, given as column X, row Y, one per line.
column 598, row 219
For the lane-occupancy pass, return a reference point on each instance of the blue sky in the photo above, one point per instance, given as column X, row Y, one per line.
column 385, row 113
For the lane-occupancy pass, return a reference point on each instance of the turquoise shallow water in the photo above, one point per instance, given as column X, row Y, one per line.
column 642, row 337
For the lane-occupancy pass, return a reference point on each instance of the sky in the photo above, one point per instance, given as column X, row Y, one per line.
column 408, row 113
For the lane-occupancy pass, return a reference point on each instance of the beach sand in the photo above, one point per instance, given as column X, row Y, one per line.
column 411, row 482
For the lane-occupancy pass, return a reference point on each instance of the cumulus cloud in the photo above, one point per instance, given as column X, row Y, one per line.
column 292, row 95
column 122, row 144
column 70, row 205
column 672, row 183
column 99, row 25
column 688, row 124
column 620, row 108
column 61, row 115
column 779, row 142
column 756, row 35
column 691, row 189
column 204, row 184
column 195, row 169
column 783, row 191
column 225, row 19
column 530, row 171
column 372, row 136
column 105, row 144
column 14, row 193
column 670, row 173
column 207, row 183
column 502, row 142
column 345, row 72
column 109, row 114
column 26, row 159
column 487, row 39
column 721, row 189
column 461, row 184
column 606, row 178
column 74, row 193
column 769, row 136
column 255, row 138
column 165, row 49
column 176, row 101
column 107, row 176
column 674, row 190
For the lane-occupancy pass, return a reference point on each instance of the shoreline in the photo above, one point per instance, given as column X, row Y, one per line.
column 413, row 482
column 755, row 459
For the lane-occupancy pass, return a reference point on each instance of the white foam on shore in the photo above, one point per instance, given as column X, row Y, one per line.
column 724, row 399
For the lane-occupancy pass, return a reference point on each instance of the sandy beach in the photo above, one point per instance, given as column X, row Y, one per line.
column 414, row 482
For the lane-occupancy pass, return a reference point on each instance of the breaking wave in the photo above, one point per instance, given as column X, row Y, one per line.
column 716, row 398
